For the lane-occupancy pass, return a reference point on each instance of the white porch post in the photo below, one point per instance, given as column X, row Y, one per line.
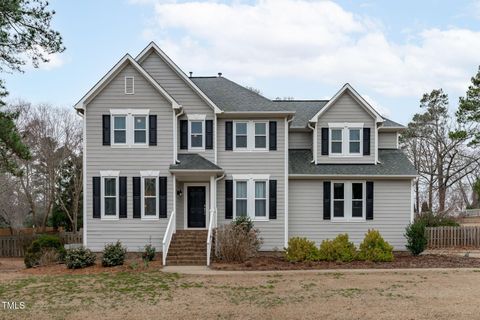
column 174, row 200
column 213, row 197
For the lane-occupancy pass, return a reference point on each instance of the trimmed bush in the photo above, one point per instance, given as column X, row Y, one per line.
column 236, row 242
column 301, row 249
column 79, row 258
column 148, row 253
column 113, row 254
column 416, row 238
column 45, row 249
column 375, row 248
column 244, row 222
column 339, row 249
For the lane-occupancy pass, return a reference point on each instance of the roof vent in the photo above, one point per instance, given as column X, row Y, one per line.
column 219, row 74
column 191, row 74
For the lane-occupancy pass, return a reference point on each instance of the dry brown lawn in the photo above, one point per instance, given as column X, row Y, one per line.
column 152, row 294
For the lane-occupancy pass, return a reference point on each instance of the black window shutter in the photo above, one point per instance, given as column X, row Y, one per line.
column 106, row 129
column 123, row 197
column 324, row 141
column 272, row 202
column 326, row 200
column 369, row 203
column 208, row 134
column 228, row 135
column 162, row 197
column 366, row 141
column 96, row 196
column 272, row 131
column 184, row 134
column 228, row 199
column 152, row 130
column 137, row 213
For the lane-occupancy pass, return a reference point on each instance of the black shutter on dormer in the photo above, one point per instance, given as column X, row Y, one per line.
column 272, row 200
column 136, row 183
column 327, row 203
column 184, row 134
column 272, row 132
column 96, row 197
column 152, row 130
column 228, row 199
column 324, row 141
column 228, row 135
column 369, row 203
column 106, row 129
column 162, row 197
column 366, row 141
column 208, row 134
column 122, row 197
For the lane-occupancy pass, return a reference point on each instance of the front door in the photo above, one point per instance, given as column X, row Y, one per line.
column 196, row 207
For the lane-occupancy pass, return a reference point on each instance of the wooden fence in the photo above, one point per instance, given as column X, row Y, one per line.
column 451, row 237
column 14, row 246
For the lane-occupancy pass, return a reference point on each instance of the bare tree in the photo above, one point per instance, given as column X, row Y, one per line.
column 14, row 208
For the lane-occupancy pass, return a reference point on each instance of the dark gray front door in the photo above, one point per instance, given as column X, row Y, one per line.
column 196, row 207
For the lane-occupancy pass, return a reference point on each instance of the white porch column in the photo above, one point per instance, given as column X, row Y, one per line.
column 213, row 198
column 174, row 201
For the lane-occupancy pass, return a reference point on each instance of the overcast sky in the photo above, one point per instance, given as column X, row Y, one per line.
column 390, row 51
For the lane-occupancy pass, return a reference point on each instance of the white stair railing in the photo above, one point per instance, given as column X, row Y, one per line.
column 210, row 235
column 167, row 238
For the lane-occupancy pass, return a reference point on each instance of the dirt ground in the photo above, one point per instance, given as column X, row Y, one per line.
column 151, row 294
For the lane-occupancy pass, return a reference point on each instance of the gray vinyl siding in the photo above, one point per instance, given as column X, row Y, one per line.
column 181, row 92
column 134, row 233
column 300, row 140
column 387, row 140
column 392, row 212
column 346, row 109
column 267, row 162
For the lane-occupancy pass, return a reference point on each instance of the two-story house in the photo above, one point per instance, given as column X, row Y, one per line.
column 169, row 157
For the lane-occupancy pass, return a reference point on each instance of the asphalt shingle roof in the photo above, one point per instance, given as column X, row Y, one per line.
column 193, row 161
column 392, row 162
column 230, row 96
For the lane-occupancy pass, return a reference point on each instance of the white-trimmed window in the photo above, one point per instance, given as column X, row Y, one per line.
column 346, row 139
column 109, row 195
column 129, row 127
column 196, row 134
column 250, row 135
column 251, row 196
column 348, row 200
column 129, row 85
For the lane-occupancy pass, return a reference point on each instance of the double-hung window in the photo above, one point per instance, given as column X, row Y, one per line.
column 250, row 135
column 129, row 127
column 140, row 130
column 251, row 196
column 149, row 193
column 348, row 199
column 109, row 195
column 354, row 141
column 197, row 134
column 336, row 144
column 346, row 139
column 119, row 129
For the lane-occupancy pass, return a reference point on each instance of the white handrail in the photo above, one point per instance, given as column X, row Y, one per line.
column 167, row 238
column 210, row 235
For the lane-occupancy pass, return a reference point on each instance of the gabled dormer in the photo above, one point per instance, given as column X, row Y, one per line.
column 346, row 130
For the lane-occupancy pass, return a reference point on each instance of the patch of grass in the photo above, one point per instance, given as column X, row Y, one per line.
column 347, row 292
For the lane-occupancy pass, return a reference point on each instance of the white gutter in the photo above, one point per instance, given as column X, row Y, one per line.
column 314, row 146
column 175, row 134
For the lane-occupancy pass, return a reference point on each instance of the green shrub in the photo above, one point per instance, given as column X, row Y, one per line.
column 436, row 220
column 46, row 248
column 79, row 258
column 113, row 254
column 375, row 248
column 244, row 222
column 338, row 249
column 148, row 253
column 301, row 249
column 416, row 238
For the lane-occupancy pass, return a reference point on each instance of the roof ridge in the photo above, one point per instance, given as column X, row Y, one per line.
column 301, row 100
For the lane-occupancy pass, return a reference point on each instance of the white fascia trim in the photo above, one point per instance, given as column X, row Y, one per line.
column 197, row 170
column 130, row 111
column 109, row 173
column 250, row 176
column 353, row 125
column 142, row 55
column 151, row 174
column 80, row 105
column 196, row 116
column 357, row 96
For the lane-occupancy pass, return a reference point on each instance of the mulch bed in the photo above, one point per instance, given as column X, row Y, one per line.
column 402, row 260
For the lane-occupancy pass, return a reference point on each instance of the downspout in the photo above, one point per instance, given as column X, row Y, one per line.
column 215, row 189
column 314, row 146
column 287, row 122
column 175, row 134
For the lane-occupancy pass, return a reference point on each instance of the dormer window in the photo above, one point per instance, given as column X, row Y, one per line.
column 129, row 85
column 346, row 139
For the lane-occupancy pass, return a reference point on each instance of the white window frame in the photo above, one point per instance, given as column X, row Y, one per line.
column 360, row 141
column 345, row 127
column 133, row 84
column 332, row 141
column 190, row 147
column 251, row 179
column 149, row 175
column 250, row 136
column 129, row 115
column 109, row 175
column 112, row 124
column 347, row 200
column 255, row 199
